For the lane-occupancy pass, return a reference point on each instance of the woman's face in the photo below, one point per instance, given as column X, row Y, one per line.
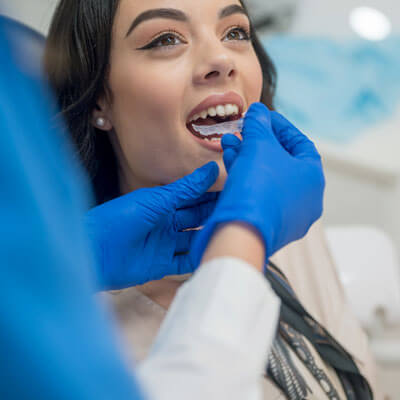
column 170, row 61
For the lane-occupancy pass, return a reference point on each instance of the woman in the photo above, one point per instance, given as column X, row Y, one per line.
column 132, row 78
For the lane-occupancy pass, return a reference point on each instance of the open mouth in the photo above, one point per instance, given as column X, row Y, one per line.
column 213, row 123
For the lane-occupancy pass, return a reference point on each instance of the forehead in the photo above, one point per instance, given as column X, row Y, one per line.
column 196, row 10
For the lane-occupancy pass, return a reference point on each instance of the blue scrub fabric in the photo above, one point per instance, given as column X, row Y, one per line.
column 334, row 90
column 56, row 342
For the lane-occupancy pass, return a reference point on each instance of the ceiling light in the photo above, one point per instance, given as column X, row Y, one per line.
column 370, row 23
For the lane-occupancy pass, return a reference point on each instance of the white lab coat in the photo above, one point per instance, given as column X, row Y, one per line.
column 216, row 337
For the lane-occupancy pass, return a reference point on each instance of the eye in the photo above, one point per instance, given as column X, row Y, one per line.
column 237, row 33
column 166, row 40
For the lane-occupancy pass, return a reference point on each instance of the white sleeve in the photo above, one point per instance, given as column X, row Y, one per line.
column 216, row 337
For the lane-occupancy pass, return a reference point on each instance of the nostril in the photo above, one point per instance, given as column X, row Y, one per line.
column 213, row 74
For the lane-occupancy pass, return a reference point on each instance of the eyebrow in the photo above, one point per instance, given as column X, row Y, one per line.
column 232, row 9
column 177, row 15
column 168, row 13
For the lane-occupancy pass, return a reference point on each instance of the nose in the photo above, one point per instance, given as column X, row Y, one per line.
column 215, row 66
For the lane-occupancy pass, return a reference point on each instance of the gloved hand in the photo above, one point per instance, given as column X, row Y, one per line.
column 275, row 182
column 139, row 237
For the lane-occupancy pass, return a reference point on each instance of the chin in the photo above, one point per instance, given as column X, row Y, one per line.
column 220, row 183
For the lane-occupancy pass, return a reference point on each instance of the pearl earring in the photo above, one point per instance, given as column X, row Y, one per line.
column 101, row 122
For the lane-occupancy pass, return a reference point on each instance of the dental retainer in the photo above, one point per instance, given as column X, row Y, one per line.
column 220, row 129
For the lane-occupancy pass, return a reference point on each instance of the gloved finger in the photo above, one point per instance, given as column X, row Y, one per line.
column 295, row 143
column 193, row 217
column 182, row 264
column 230, row 142
column 156, row 203
column 257, row 124
column 205, row 198
column 183, row 241
column 229, row 158
column 193, row 186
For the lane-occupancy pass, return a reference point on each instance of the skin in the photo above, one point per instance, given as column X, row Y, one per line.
column 239, row 241
column 153, row 91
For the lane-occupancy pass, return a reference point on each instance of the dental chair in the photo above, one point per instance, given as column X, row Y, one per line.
column 369, row 270
column 31, row 42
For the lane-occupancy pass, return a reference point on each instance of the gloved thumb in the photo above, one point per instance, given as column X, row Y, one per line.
column 231, row 146
column 193, row 186
column 258, row 125
column 229, row 158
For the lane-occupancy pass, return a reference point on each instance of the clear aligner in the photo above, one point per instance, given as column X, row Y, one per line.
column 221, row 129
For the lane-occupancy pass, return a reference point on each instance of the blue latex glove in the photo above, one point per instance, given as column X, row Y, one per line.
column 275, row 183
column 139, row 237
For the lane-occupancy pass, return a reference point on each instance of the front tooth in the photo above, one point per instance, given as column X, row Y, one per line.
column 229, row 109
column 204, row 114
column 220, row 111
column 235, row 109
column 212, row 112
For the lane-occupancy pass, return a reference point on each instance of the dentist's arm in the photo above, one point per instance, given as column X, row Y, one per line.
column 217, row 334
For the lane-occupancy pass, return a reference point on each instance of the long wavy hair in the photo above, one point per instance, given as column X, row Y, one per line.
column 76, row 61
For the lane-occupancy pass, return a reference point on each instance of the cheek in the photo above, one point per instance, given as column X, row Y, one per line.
column 147, row 101
column 146, row 95
column 253, row 80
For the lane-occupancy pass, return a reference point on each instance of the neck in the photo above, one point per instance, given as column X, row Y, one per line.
column 128, row 180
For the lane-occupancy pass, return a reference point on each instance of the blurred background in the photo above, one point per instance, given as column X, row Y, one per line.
column 338, row 66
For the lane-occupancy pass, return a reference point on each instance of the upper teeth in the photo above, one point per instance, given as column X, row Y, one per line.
column 220, row 110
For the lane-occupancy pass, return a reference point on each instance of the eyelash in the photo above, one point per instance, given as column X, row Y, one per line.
column 245, row 31
column 155, row 44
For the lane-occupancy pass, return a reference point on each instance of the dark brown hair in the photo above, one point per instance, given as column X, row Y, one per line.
column 77, row 64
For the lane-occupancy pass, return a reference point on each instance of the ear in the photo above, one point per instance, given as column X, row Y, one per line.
column 100, row 117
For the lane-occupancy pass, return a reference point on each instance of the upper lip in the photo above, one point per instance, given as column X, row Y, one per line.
column 218, row 99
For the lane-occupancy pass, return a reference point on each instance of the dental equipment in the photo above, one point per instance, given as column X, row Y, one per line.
column 221, row 129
